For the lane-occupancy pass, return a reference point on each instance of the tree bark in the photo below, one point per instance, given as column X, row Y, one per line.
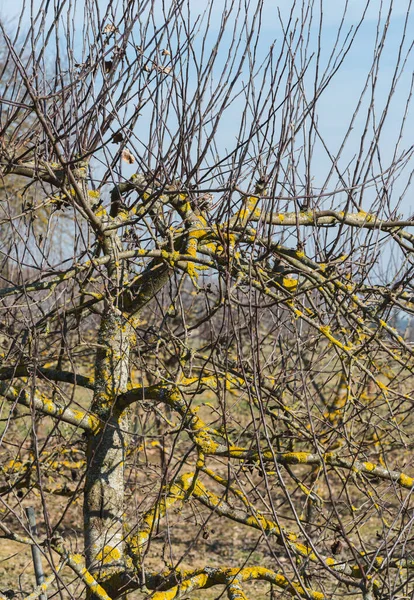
column 104, row 485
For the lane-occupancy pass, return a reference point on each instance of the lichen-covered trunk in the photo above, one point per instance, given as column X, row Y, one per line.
column 104, row 484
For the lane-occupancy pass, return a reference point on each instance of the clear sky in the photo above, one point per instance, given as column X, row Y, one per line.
column 338, row 102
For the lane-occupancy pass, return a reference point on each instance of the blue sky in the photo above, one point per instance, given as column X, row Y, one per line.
column 338, row 102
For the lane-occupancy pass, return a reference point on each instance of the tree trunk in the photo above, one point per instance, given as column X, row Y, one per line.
column 104, row 485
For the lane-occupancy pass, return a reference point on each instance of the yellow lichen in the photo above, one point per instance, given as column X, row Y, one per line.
column 13, row 466
column 305, row 551
column 77, row 558
column 101, row 212
column 290, row 283
column 406, row 481
column 108, row 554
column 192, row 272
column 296, row 457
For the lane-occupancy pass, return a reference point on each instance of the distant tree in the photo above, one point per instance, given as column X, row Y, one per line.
column 198, row 341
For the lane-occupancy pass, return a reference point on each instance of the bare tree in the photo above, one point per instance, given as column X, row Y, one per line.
column 203, row 344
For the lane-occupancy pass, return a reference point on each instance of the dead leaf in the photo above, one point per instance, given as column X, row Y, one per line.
column 127, row 156
column 117, row 137
column 110, row 28
column 108, row 66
